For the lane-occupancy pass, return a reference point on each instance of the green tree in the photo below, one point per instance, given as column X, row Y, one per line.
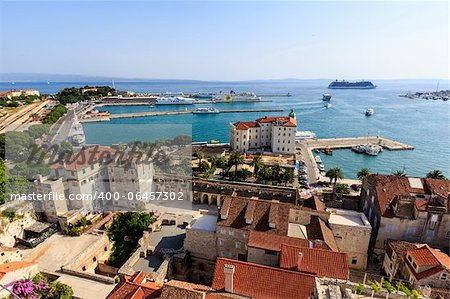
column 436, row 174
column 125, row 231
column 37, row 131
column 342, row 189
column 334, row 174
column 235, row 159
column 400, row 173
column 276, row 172
column 18, row 146
column 363, row 172
column 60, row 290
column 288, row 176
column 256, row 163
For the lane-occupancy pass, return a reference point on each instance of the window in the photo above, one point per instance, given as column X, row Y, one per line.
column 270, row 252
column 443, row 276
column 83, row 171
column 92, row 166
column 231, row 233
column 221, row 242
column 409, row 258
column 354, row 260
column 237, row 245
column 414, row 265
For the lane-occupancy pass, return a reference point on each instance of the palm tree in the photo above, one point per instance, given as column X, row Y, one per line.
column 363, row 172
column 288, row 176
column 264, row 173
column 256, row 163
column 436, row 174
column 335, row 173
column 276, row 172
column 235, row 159
column 400, row 173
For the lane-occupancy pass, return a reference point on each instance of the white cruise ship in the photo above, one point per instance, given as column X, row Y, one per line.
column 236, row 97
column 174, row 101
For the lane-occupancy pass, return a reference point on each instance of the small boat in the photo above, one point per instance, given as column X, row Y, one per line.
column 209, row 110
column 328, row 151
column 213, row 141
column 326, row 97
column 321, row 168
column 327, row 106
column 369, row 112
column 359, row 148
column 318, row 159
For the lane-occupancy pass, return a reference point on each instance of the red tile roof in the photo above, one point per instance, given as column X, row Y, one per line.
column 13, row 266
column 390, row 187
column 401, row 247
column 184, row 290
column 426, row 256
column 323, row 263
column 245, row 125
column 285, row 121
column 272, row 241
column 135, row 287
column 262, row 282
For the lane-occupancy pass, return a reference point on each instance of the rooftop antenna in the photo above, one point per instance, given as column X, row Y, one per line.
column 113, row 86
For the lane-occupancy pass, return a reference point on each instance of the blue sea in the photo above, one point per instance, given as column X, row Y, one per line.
column 423, row 124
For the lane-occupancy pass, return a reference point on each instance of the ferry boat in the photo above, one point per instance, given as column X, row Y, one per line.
column 301, row 135
column 173, row 101
column 369, row 112
column 236, row 97
column 209, row 110
column 326, row 97
column 204, row 95
column 351, row 85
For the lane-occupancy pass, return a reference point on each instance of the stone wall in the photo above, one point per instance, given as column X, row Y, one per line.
column 261, row 257
column 200, row 243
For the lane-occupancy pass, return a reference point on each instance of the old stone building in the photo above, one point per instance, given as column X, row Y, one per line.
column 419, row 264
column 409, row 209
column 352, row 232
column 273, row 134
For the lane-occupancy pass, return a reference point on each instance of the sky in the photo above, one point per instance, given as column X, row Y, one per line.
column 226, row 40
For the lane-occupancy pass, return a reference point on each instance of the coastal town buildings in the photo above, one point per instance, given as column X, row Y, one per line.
column 136, row 287
column 272, row 134
column 17, row 93
column 406, row 208
column 417, row 263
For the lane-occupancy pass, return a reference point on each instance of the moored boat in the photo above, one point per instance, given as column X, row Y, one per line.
column 209, row 110
column 301, row 135
column 174, row 101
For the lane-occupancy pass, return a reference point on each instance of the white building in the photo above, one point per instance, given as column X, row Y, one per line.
column 275, row 134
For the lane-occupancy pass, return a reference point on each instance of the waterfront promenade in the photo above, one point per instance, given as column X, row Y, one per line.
column 158, row 113
column 305, row 151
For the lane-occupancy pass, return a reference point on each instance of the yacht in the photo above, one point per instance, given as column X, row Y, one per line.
column 173, row 101
column 301, row 135
column 326, row 97
column 209, row 110
column 327, row 106
column 369, row 149
column 236, row 97
column 318, row 159
column 369, row 112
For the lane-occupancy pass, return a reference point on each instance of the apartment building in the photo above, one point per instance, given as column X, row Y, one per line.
column 272, row 134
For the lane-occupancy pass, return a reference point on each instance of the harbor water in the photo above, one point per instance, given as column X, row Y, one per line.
column 423, row 124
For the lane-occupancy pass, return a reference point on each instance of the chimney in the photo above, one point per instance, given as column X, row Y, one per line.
column 318, row 244
column 299, row 261
column 229, row 273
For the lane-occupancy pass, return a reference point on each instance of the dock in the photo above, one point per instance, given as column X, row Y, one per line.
column 159, row 113
column 305, row 150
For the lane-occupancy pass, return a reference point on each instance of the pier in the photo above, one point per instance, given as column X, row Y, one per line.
column 305, row 150
column 159, row 113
